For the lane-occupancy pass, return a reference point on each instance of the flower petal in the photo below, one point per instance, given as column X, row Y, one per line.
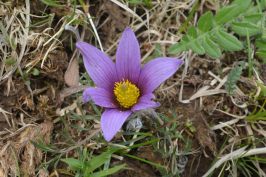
column 128, row 57
column 157, row 71
column 85, row 96
column 100, row 96
column 145, row 102
column 112, row 121
column 98, row 65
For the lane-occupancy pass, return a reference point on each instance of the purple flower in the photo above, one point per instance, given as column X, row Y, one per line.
column 123, row 87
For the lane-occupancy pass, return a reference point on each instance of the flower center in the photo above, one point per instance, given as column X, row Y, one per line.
column 126, row 93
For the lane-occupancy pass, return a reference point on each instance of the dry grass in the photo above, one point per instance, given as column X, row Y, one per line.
column 34, row 41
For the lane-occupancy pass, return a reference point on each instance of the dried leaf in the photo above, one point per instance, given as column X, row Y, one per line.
column 69, row 91
column 72, row 73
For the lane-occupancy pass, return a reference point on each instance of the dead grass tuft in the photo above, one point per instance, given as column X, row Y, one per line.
column 38, row 59
column 18, row 156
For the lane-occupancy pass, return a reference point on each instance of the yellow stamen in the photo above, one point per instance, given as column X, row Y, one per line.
column 126, row 93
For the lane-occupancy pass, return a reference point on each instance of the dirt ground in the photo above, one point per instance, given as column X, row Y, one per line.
column 40, row 102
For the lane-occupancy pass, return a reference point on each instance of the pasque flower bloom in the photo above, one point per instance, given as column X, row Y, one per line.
column 123, row 87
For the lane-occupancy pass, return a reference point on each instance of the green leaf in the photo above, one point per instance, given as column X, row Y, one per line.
column 241, row 5
column 242, row 16
column 192, row 32
column 227, row 41
column 74, row 163
column 244, row 28
column 42, row 146
column 261, row 53
column 253, row 18
column 228, row 13
column 233, row 77
column 147, row 3
column 225, row 14
column 263, row 3
column 10, row 61
column 98, row 161
column 211, row 48
column 157, row 165
column 261, row 115
column 52, row 3
column 183, row 44
column 263, row 36
column 205, row 22
column 149, row 142
column 263, row 89
column 35, row 72
column 157, row 51
column 260, row 43
column 196, row 47
column 261, row 48
column 106, row 172
column 241, row 2
column 177, row 48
